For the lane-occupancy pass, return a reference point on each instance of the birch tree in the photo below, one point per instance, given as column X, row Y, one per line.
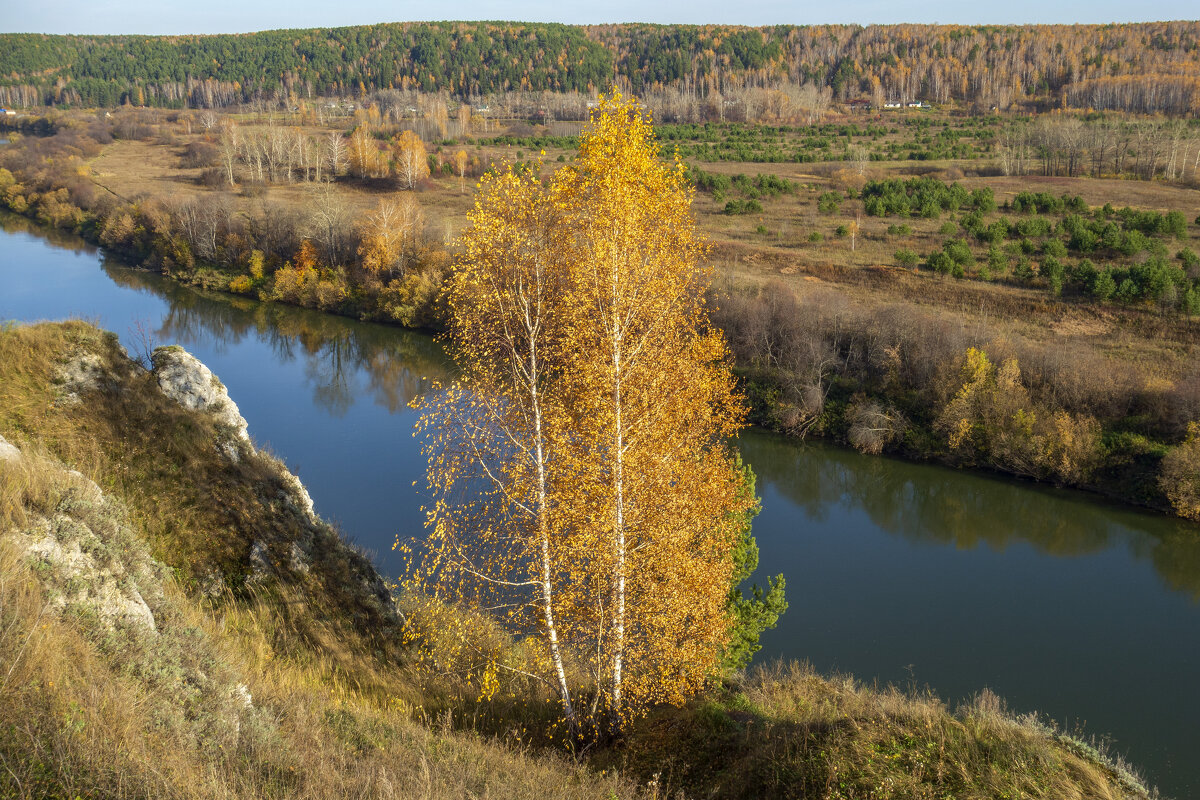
column 230, row 147
column 335, row 152
column 409, row 159
column 388, row 236
column 460, row 166
column 582, row 485
column 499, row 428
column 655, row 402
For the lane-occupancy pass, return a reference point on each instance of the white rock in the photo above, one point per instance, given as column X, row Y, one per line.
column 114, row 601
column 260, row 560
column 296, row 495
column 298, row 559
column 9, row 452
column 184, row 379
column 212, row 584
column 80, row 375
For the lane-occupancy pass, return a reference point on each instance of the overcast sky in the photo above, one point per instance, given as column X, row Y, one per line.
column 229, row 16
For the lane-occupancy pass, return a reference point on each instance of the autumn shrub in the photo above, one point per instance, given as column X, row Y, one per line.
column 199, row 154
column 873, row 425
column 993, row 420
column 290, row 283
column 212, row 177
column 330, row 290
column 416, row 300
column 1180, row 475
column 55, row 209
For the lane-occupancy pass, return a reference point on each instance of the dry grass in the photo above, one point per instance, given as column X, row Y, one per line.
column 787, row 732
column 80, row 717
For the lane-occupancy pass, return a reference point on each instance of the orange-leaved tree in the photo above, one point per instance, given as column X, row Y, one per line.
column 580, row 470
column 409, row 160
column 389, row 235
column 654, row 404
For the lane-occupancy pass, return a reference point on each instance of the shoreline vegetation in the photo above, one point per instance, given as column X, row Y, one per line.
column 1075, row 374
column 175, row 621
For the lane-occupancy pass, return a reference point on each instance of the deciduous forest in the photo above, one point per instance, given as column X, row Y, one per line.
column 1137, row 67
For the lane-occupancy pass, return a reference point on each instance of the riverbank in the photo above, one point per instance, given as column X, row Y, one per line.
column 270, row 667
column 1104, row 394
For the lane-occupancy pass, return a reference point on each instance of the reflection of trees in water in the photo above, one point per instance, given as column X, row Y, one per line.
column 940, row 506
column 1177, row 559
column 398, row 364
column 330, row 365
column 65, row 240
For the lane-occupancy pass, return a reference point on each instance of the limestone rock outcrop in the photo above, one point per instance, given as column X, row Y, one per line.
column 186, row 380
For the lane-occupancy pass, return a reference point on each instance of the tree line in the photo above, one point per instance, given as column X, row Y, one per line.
column 1099, row 146
column 1136, row 67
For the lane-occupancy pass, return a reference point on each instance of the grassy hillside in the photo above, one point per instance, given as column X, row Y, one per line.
column 183, row 627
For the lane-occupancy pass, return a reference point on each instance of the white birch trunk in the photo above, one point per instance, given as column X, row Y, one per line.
column 619, row 511
column 543, row 511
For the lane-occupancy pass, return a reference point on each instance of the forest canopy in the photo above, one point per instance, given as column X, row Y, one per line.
column 1139, row 67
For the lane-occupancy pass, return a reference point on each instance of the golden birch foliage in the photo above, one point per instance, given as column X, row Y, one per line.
column 409, row 160
column 364, row 156
column 580, row 478
column 460, row 165
column 492, row 438
column 654, row 402
column 993, row 418
column 389, row 234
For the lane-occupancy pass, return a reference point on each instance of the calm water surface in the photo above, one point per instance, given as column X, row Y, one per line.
column 897, row 572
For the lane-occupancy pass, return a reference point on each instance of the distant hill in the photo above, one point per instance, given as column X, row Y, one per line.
column 1140, row 67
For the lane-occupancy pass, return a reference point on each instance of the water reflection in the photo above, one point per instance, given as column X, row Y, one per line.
column 343, row 360
column 936, row 506
column 65, row 240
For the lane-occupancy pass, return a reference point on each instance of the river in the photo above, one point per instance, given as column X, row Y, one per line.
column 899, row 573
